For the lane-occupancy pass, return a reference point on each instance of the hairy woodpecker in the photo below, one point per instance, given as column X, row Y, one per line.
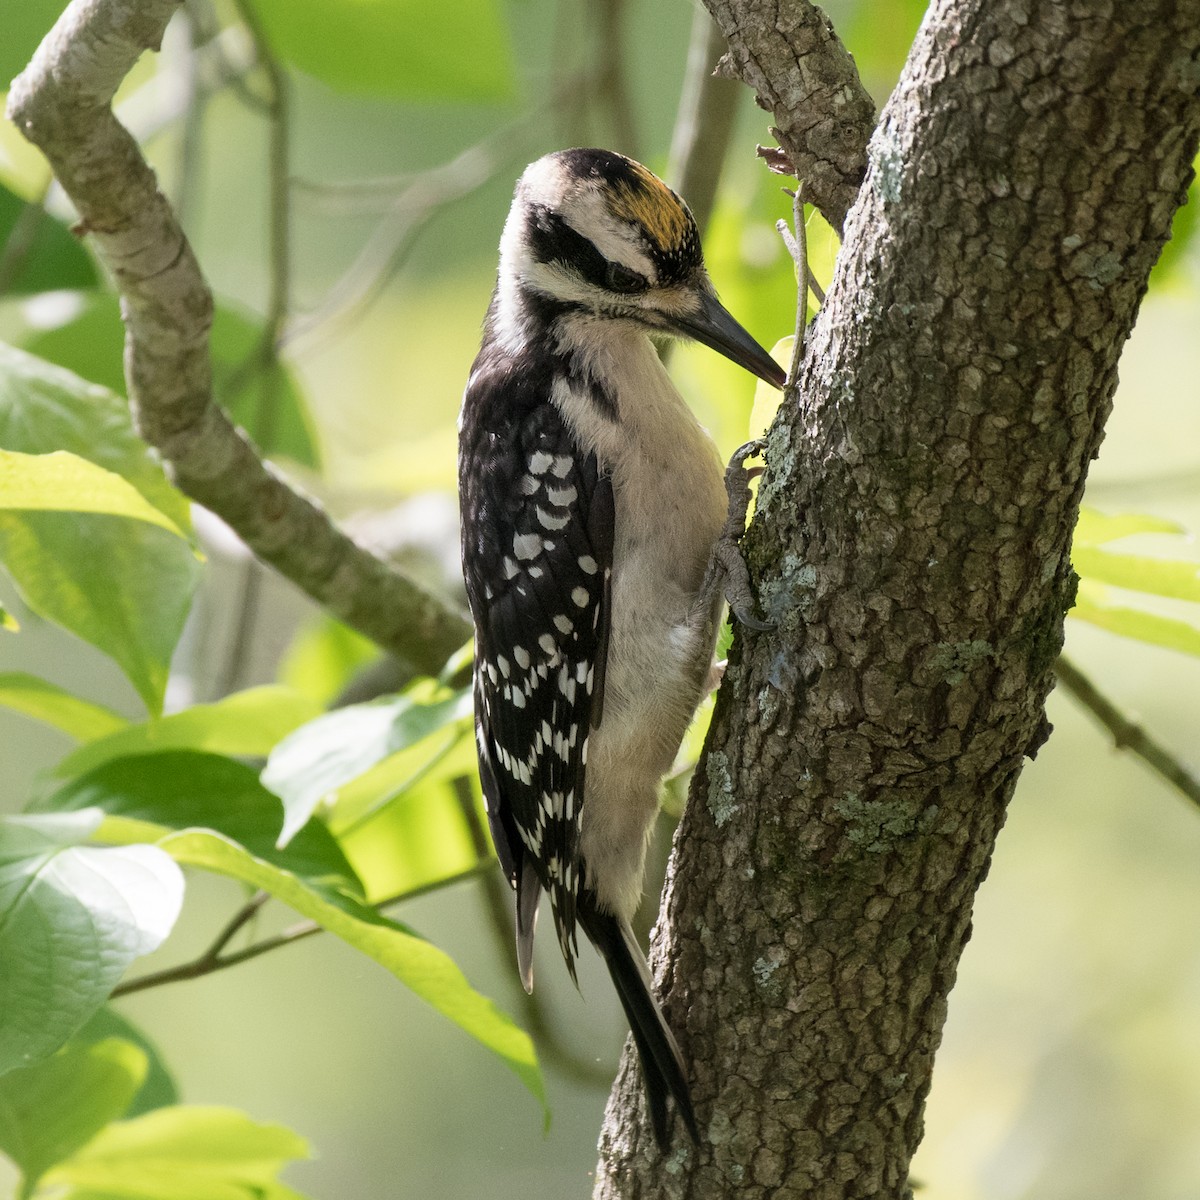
column 592, row 505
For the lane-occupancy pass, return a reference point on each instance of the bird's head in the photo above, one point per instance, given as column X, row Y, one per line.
column 595, row 231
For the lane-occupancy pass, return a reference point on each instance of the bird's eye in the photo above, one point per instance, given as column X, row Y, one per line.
column 622, row 279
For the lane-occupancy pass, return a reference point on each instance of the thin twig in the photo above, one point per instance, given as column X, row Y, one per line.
column 570, row 115
column 239, row 920
column 390, row 242
column 1127, row 734
column 423, row 196
column 266, row 355
column 793, row 248
column 342, row 197
column 802, row 274
column 612, row 86
column 212, row 960
column 703, row 129
column 704, row 123
column 194, row 100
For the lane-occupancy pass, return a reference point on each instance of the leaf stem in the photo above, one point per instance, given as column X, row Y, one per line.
column 708, row 108
column 213, row 960
column 1126, row 733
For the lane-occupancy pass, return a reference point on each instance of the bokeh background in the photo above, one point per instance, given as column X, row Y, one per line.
column 1071, row 1062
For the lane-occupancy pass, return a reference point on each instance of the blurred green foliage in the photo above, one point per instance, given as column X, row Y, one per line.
column 403, row 49
column 90, row 340
column 44, row 255
column 407, row 124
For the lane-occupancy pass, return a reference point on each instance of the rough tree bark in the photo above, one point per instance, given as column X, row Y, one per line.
column 804, row 77
column 912, row 540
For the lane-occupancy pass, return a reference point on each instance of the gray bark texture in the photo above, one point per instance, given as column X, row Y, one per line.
column 790, row 56
column 912, row 540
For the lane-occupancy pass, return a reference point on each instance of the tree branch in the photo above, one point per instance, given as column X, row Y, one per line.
column 612, row 86
column 62, row 103
column 704, row 125
column 801, row 73
column 420, row 198
column 911, row 539
column 1126, row 733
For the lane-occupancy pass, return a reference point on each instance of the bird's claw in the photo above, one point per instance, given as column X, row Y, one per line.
column 747, row 618
column 728, row 566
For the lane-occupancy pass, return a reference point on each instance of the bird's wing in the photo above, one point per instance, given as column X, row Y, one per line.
column 538, row 524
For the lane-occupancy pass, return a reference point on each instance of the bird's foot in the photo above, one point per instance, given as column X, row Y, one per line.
column 727, row 568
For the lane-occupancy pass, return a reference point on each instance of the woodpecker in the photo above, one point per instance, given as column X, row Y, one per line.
column 592, row 504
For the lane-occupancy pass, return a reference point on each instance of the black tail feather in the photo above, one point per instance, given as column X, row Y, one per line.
column 663, row 1071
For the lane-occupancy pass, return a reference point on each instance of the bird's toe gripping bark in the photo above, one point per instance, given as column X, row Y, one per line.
column 727, row 568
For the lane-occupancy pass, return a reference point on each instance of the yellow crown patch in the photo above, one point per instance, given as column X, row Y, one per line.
column 649, row 202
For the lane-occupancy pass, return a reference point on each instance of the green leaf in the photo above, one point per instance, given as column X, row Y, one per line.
column 1094, row 527
column 23, row 170
column 25, row 25
column 88, row 339
column 767, row 398
column 245, row 724
column 44, row 408
column 322, row 658
column 438, row 759
column 235, row 341
column 124, row 586
column 158, row 1088
column 400, row 48
column 419, row 965
column 64, row 482
column 45, row 701
column 419, row 839
column 181, row 1153
column 1174, row 634
column 91, row 342
column 1177, row 578
column 50, row 1110
column 72, row 918
column 108, row 1070
column 37, row 252
column 132, row 1189
column 319, row 757
column 178, row 789
column 7, row 621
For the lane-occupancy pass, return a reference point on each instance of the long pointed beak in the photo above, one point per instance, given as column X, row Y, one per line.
column 714, row 327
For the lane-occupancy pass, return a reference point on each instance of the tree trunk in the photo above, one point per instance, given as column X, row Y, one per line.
column 912, row 540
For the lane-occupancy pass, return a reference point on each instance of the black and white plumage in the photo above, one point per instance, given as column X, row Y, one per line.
column 591, row 505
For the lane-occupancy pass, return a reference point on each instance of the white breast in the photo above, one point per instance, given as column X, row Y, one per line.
column 670, row 507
